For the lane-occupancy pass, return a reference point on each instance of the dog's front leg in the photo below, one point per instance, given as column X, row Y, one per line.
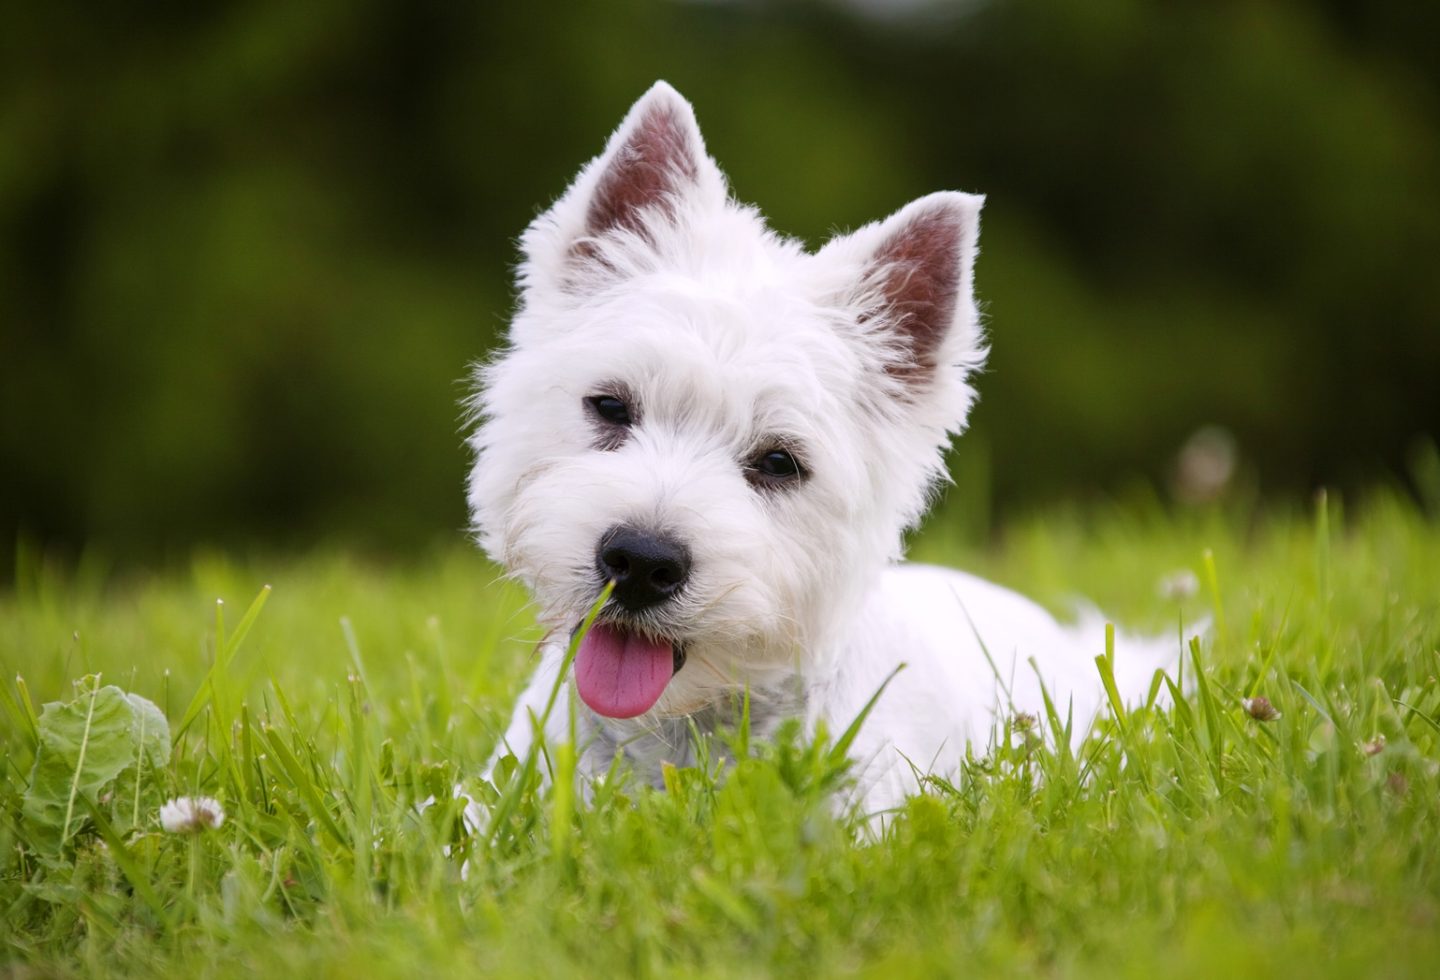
column 529, row 712
column 529, row 722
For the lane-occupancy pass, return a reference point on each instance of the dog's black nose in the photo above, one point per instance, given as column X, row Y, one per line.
column 647, row 567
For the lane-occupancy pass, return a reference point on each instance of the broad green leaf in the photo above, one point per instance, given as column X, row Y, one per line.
column 137, row 793
column 85, row 747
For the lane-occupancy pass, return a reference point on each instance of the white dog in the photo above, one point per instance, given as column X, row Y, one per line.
column 738, row 432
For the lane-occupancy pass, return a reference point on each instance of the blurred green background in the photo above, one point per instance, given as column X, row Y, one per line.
column 248, row 249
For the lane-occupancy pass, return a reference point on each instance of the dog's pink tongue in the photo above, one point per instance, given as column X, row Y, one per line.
column 621, row 674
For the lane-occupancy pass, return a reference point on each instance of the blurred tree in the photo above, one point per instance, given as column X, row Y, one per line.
column 248, row 249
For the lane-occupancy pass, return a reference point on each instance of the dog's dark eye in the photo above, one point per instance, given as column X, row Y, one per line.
column 774, row 467
column 777, row 463
column 610, row 409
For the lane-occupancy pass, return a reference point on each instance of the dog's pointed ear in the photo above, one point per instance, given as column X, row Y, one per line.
column 650, row 163
column 653, row 167
column 909, row 281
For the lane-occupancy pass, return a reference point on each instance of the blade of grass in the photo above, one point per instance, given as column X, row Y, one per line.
column 302, row 783
column 1105, row 663
column 22, row 719
column 225, row 650
column 353, row 646
column 841, row 748
column 1416, row 712
column 1211, row 710
column 521, row 778
column 984, row 649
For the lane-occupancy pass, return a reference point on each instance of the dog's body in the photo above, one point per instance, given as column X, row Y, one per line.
column 932, row 620
column 737, row 433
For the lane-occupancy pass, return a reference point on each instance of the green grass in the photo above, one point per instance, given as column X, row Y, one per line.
column 1194, row 841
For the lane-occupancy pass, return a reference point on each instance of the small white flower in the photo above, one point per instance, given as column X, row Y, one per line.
column 190, row 814
column 1181, row 584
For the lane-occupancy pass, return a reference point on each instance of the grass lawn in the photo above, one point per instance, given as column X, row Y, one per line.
column 1195, row 841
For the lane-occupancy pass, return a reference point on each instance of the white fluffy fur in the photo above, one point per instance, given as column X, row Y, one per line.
column 731, row 337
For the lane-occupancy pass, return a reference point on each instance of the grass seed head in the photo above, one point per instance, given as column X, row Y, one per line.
column 1261, row 709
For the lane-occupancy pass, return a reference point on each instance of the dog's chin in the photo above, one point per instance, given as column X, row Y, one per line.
column 622, row 671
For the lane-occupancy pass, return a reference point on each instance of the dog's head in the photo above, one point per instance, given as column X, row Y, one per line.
column 734, row 430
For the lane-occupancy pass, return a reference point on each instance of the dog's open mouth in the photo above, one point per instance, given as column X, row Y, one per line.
column 621, row 673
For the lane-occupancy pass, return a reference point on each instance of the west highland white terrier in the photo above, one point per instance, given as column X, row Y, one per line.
column 737, row 433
